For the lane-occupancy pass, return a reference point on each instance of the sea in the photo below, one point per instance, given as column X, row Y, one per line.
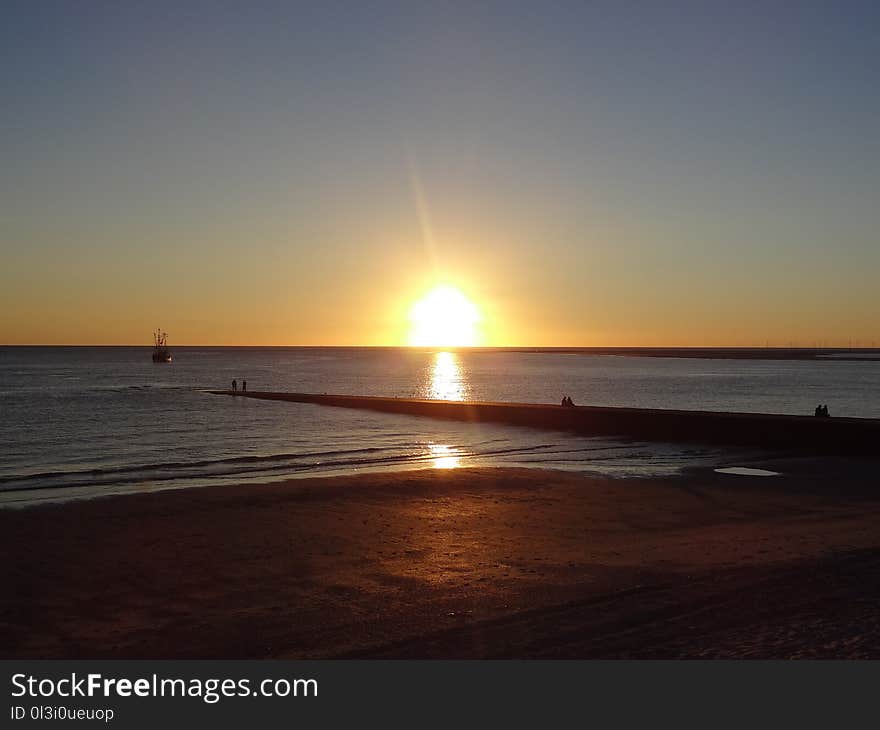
column 82, row 422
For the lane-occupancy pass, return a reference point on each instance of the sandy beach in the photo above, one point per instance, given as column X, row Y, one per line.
column 468, row 563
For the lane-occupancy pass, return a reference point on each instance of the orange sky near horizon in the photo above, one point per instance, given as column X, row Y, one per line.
column 596, row 294
column 605, row 288
column 530, row 313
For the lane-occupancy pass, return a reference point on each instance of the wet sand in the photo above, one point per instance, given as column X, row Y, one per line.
column 457, row 563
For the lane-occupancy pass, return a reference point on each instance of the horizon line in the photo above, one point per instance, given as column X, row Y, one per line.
column 848, row 348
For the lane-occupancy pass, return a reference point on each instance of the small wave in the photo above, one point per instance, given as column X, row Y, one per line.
column 179, row 465
column 295, row 461
column 139, row 387
column 220, row 468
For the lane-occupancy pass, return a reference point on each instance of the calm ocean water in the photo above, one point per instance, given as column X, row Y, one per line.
column 88, row 421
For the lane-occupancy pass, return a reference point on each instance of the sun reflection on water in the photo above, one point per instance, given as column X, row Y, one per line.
column 444, row 457
column 445, row 381
column 447, row 378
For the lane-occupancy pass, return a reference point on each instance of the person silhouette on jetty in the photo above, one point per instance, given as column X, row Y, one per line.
column 234, row 386
column 822, row 411
column 244, row 386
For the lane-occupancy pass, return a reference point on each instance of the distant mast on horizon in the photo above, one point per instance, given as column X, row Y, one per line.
column 161, row 353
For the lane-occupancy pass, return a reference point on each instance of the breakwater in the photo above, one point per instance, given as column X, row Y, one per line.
column 817, row 435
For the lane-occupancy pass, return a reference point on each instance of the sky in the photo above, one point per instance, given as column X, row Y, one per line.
column 587, row 174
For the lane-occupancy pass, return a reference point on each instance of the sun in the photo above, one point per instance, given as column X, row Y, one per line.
column 444, row 317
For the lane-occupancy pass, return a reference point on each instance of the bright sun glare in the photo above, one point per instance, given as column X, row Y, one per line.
column 444, row 317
